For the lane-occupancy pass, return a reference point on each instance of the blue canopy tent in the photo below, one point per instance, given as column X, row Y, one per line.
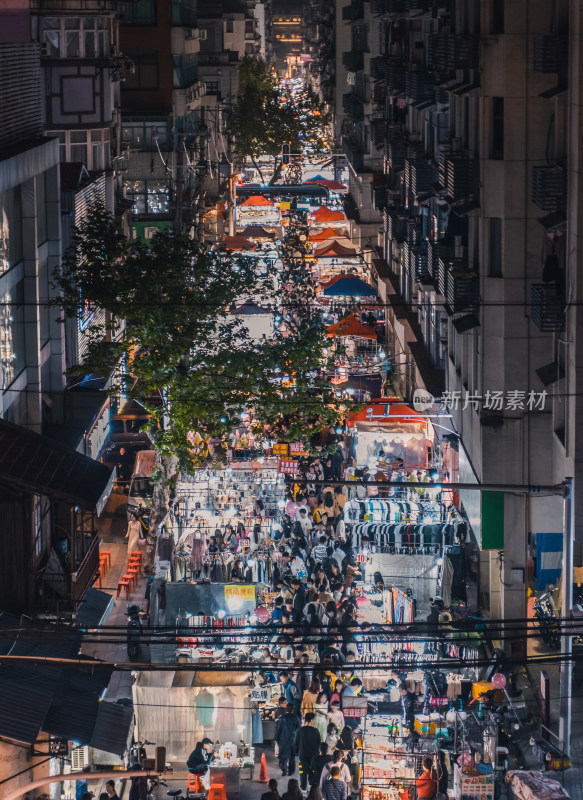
column 350, row 287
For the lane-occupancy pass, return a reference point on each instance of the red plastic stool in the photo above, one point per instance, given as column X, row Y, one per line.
column 124, row 583
column 133, row 573
column 135, row 562
column 137, row 554
column 108, row 554
column 194, row 784
column 217, row 792
column 103, row 564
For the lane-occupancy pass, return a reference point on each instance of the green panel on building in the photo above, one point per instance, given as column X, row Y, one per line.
column 492, row 520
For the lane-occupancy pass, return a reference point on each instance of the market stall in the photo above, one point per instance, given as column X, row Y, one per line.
column 201, row 614
column 257, row 210
column 324, row 217
column 181, row 708
column 389, row 429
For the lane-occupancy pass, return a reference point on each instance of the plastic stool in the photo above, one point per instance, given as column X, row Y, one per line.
column 133, row 573
column 194, row 784
column 137, row 554
column 217, row 792
column 97, row 579
column 124, row 583
column 108, row 554
column 135, row 562
column 103, row 564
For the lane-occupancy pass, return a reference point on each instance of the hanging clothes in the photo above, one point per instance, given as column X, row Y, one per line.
column 205, row 708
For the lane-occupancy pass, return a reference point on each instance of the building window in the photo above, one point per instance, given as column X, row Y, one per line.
column 229, row 26
column 148, row 197
column 498, row 128
column 74, row 37
column 184, row 13
column 497, row 16
column 145, row 75
column 141, row 13
column 495, row 247
column 145, row 134
column 10, row 229
column 185, row 70
column 212, row 87
column 12, row 334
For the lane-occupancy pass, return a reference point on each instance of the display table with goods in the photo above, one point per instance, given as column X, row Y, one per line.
column 231, row 763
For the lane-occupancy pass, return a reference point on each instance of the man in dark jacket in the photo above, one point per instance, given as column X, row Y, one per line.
column 285, row 734
column 299, row 601
column 307, row 743
column 318, row 763
column 201, row 757
column 408, row 706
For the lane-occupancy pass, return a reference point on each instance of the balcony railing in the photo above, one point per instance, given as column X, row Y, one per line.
column 418, row 84
column 550, row 53
column 415, row 261
column 462, row 288
column 396, row 226
column 547, row 307
column 548, row 187
column 420, row 176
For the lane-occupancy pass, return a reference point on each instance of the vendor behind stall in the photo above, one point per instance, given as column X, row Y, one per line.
column 200, row 759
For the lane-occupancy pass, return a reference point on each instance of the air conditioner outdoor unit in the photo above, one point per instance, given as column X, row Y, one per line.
column 351, row 78
column 79, row 759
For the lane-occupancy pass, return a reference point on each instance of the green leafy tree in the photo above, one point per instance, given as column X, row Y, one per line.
column 266, row 117
column 168, row 323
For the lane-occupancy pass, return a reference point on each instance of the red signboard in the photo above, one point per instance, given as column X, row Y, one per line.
column 354, row 706
column 288, row 466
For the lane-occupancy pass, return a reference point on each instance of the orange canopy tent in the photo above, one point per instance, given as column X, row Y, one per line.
column 389, row 412
column 335, row 250
column 327, row 233
column 351, row 326
column 323, row 214
column 256, row 200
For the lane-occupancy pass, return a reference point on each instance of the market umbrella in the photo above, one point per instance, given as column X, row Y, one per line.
column 350, row 286
column 324, row 214
column 351, row 326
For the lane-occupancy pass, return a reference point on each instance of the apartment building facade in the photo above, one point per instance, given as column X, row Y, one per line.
column 460, row 122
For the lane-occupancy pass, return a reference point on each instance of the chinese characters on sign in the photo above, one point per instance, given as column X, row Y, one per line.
column 288, row 466
column 511, row 400
column 297, row 449
column 280, row 449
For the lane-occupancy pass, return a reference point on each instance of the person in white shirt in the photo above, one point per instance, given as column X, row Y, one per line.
column 305, row 522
